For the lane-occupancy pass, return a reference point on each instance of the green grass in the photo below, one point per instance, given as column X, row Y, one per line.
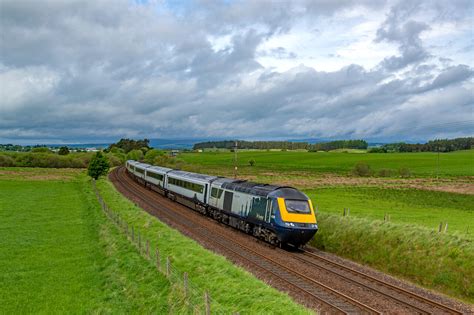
column 459, row 163
column 234, row 289
column 435, row 260
column 60, row 254
column 411, row 206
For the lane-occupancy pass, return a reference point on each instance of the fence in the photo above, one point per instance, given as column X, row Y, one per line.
column 196, row 300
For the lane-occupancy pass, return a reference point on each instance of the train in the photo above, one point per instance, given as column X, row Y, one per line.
column 279, row 215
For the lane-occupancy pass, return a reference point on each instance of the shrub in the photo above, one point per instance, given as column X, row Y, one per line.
column 151, row 155
column 41, row 150
column 385, row 172
column 252, row 162
column 362, row 169
column 404, row 172
column 136, row 155
column 6, row 160
column 63, row 151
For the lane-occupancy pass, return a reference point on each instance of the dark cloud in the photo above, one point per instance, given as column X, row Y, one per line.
column 107, row 69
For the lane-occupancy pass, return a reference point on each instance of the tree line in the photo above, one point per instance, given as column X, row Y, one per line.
column 282, row 145
column 438, row 145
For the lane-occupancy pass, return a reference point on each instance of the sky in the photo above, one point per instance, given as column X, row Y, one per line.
column 95, row 71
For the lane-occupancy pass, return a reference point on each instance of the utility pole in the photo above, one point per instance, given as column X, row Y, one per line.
column 235, row 159
column 437, row 167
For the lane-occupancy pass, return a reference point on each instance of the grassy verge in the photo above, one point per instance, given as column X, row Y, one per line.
column 438, row 261
column 411, row 206
column 60, row 255
column 232, row 288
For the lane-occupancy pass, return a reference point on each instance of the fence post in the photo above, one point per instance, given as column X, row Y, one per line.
column 348, row 211
column 440, row 227
column 446, row 227
column 344, row 213
column 147, row 249
column 168, row 266
column 139, row 243
column 158, row 262
column 207, row 302
column 185, row 283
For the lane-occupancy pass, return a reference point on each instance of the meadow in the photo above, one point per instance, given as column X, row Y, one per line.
column 424, row 164
column 60, row 254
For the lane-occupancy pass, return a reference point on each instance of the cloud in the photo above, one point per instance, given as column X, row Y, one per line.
column 101, row 70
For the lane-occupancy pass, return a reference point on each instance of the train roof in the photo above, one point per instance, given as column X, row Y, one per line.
column 264, row 190
column 159, row 169
column 189, row 175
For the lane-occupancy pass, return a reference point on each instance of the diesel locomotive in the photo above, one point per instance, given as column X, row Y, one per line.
column 277, row 214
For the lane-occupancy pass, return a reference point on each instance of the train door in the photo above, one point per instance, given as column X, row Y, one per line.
column 228, row 196
column 268, row 210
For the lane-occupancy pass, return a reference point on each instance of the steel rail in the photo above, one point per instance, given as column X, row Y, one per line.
column 380, row 282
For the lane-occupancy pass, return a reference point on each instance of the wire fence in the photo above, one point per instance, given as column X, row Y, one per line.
column 194, row 299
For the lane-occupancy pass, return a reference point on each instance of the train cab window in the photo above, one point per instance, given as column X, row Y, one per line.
column 297, row 206
column 216, row 192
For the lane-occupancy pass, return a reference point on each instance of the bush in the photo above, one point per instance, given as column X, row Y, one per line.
column 252, row 162
column 63, row 151
column 6, row 160
column 377, row 150
column 404, row 172
column 151, row 155
column 362, row 169
column 136, row 155
column 41, row 150
column 385, row 172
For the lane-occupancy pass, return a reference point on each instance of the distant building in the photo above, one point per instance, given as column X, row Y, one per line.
column 174, row 152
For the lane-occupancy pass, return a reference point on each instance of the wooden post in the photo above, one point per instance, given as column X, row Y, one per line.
column 207, row 302
column 185, row 283
column 168, row 266
column 147, row 249
column 446, row 227
column 139, row 243
column 344, row 213
column 440, row 227
column 158, row 262
column 348, row 211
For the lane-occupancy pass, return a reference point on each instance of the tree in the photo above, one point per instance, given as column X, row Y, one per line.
column 136, row 155
column 152, row 154
column 252, row 162
column 98, row 166
column 63, row 151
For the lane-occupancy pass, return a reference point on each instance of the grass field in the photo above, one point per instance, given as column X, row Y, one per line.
column 408, row 206
column 459, row 163
column 59, row 254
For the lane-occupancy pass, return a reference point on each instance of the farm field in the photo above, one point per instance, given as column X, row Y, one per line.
column 458, row 163
column 60, row 254
column 407, row 206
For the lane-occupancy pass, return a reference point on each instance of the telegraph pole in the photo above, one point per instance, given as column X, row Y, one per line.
column 235, row 159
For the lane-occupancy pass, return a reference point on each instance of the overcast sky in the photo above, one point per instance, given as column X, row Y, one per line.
column 92, row 71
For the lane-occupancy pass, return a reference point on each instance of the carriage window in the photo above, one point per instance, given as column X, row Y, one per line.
column 214, row 192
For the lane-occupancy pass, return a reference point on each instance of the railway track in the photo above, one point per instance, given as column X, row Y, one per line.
column 418, row 303
column 328, row 299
